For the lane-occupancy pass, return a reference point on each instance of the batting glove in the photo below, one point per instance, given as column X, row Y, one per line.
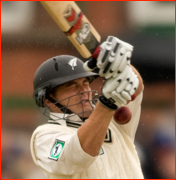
column 118, row 90
column 112, row 59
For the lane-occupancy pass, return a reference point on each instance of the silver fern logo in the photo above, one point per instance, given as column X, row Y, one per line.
column 73, row 63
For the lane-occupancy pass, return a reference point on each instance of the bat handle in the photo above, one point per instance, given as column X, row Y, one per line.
column 90, row 65
column 96, row 53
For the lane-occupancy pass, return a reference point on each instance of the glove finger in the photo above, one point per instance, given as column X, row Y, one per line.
column 128, row 46
column 105, row 72
column 118, row 59
column 110, row 85
column 113, row 83
column 106, row 56
column 126, row 95
column 125, row 61
column 124, row 83
column 104, row 51
column 108, row 69
column 129, row 86
column 122, row 75
column 106, row 94
column 119, row 99
column 134, row 86
column 101, row 72
column 109, row 72
column 130, row 76
column 129, row 58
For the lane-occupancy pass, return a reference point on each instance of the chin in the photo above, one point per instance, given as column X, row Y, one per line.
column 85, row 115
column 86, row 111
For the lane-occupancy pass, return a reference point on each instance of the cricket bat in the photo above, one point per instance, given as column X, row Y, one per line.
column 75, row 25
column 82, row 35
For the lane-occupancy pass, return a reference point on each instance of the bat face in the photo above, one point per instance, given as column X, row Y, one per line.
column 81, row 28
column 70, row 15
column 75, row 25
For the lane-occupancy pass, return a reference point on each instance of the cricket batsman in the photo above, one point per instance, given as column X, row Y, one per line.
column 81, row 139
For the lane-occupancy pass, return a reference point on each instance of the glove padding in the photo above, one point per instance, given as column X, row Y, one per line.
column 118, row 90
column 114, row 56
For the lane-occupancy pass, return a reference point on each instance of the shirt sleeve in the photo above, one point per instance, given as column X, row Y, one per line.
column 135, row 108
column 60, row 152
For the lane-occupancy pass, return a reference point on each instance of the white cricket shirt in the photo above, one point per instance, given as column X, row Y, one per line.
column 55, row 147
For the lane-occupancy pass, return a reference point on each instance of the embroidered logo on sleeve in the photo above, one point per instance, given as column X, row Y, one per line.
column 56, row 150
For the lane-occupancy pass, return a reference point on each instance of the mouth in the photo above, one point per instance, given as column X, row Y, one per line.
column 85, row 101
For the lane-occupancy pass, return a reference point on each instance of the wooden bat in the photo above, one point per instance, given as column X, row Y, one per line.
column 75, row 25
column 82, row 35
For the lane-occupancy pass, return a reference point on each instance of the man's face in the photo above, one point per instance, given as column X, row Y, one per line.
column 79, row 103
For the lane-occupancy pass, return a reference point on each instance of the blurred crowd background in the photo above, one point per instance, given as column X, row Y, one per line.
column 29, row 37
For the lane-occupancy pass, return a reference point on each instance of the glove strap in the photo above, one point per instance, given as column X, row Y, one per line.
column 109, row 103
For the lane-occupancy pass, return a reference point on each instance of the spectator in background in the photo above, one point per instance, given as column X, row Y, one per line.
column 160, row 157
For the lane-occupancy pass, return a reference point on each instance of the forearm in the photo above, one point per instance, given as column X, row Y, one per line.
column 92, row 133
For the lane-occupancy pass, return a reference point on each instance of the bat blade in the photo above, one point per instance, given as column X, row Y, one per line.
column 75, row 25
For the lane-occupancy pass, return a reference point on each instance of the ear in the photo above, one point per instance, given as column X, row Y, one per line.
column 52, row 107
column 48, row 103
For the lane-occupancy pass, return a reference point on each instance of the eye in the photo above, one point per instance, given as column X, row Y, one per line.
column 86, row 83
column 72, row 86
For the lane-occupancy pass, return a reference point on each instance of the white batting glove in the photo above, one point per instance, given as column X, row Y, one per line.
column 114, row 56
column 118, row 90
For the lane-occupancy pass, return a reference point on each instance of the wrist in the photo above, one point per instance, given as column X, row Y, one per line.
column 107, row 103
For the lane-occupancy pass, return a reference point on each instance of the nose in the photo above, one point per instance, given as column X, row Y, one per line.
column 83, row 92
column 82, row 88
